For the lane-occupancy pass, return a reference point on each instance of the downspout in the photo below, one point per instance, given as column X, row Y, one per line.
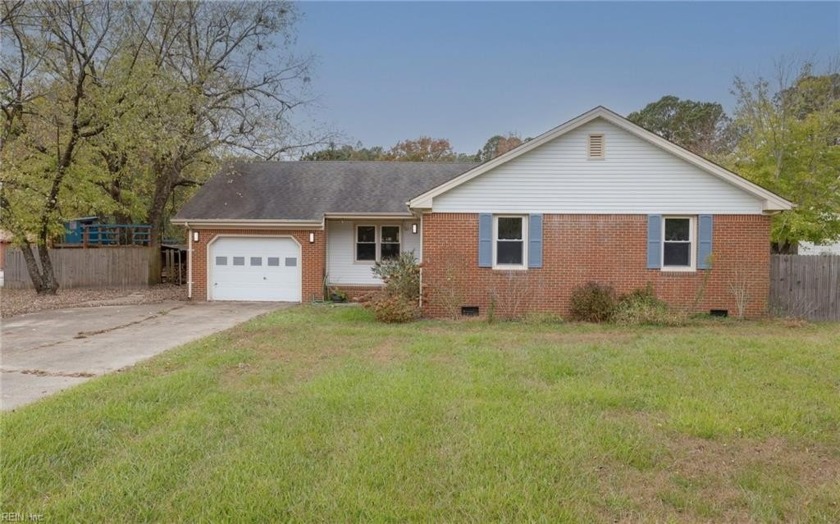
column 419, row 215
column 189, row 261
column 326, row 274
column 420, row 232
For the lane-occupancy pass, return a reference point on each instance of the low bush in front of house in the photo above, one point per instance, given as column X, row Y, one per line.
column 399, row 300
column 641, row 307
column 592, row 302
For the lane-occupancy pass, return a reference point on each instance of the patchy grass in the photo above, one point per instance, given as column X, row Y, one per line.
column 318, row 413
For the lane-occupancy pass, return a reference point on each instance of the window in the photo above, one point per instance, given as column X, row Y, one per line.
column 377, row 243
column 390, row 245
column 365, row 243
column 510, row 241
column 677, row 243
column 238, row 261
column 221, row 261
column 273, row 261
column 596, row 147
column 256, row 261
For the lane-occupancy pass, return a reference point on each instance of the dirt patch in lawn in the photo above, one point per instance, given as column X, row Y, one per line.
column 600, row 337
column 387, row 352
column 717, row 479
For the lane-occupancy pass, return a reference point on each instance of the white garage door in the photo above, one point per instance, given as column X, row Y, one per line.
column 260, row 269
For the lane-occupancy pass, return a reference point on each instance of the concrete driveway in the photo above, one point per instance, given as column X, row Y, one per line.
column 45, row 352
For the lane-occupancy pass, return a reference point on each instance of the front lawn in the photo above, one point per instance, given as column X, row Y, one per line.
column 321, row 414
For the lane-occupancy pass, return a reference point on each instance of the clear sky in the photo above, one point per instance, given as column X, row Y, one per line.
column 388, row 71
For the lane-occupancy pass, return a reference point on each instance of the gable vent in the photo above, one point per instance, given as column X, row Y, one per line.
column 596, row 146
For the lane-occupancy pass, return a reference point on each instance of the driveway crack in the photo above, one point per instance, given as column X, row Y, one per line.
column 86, row 334
column 43, row 373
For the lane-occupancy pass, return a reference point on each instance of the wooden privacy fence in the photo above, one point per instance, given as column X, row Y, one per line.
column 102, row 267
column 806, row 286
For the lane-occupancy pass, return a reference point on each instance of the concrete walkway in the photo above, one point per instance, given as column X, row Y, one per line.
column 45, row 352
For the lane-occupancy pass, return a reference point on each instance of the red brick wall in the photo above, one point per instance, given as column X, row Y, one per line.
column 312, row 258
column 357, row 293
column 609, row 249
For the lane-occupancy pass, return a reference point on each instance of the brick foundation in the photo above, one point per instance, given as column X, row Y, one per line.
column 577, row 249
column 312, row 256
column 357, row 293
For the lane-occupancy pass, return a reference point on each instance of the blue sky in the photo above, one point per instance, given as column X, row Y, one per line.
column 388, row 71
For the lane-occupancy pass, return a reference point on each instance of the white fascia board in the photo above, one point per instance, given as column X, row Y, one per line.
column 209, row 223
column 368, row 216
column 770, row 201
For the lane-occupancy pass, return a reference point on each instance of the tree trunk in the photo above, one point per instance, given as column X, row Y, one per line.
column 156, row 216
column 784, row 248
column 43, row 277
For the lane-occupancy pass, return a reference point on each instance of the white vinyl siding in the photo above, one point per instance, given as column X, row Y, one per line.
column 634, row 177
column 342, row 268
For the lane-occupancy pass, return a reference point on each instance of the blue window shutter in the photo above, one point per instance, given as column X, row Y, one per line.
column 654, row 242
column 704, row 242
column 485, row 240
column 535, row 235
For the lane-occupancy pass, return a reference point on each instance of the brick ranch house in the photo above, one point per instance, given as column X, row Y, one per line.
column 595, row 199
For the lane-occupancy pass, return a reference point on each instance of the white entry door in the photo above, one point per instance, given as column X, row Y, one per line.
column 255, row 269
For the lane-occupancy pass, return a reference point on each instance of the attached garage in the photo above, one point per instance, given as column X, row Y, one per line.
column 254, row 269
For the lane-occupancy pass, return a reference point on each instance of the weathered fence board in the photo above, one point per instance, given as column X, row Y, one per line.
column 101, row 267
column 806, row 286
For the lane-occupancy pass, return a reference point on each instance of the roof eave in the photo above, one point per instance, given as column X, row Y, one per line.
column 369, row 216
column 208, row 223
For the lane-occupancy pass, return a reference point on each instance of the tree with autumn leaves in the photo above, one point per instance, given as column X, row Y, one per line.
column 109, row 108
column 784, row 135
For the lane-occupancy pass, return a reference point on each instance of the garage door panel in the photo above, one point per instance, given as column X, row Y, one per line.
column 257, row 269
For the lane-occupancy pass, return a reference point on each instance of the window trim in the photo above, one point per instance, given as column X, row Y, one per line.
column 377, row 229
column 382, row 242
column 356, row 243
column 692, row 244
column 514, row 267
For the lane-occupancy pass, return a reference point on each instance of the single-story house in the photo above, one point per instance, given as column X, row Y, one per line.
column 594, row 199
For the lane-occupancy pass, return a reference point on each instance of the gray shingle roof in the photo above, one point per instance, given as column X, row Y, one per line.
column 307, row 190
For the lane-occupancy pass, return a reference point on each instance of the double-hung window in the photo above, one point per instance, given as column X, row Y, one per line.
column 377, row 243
column 389, row 245
column 678, row 243
column 365, row 243
column 510, row 241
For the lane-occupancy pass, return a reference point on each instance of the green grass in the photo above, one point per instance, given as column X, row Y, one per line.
column 320, row 414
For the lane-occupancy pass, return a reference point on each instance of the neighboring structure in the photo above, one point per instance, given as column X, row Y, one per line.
column 809, row 248
column 595, row 199
column 94, row 232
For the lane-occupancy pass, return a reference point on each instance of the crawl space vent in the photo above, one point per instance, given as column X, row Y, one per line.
column 469, row 311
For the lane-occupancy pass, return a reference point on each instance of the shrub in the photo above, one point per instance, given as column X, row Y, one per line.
column 401, row 276
column 393, row 309
column 592, row 302
column 641, row 307
column 398, row 301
